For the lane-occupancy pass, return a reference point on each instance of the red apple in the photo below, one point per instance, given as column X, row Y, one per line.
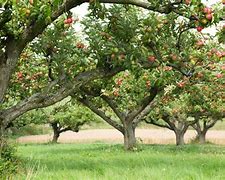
column 214, row 50
column 20, row 75
column 65, row 21
column 223, row 1
column 69, row 20
column 219, row 54
column 80, row 45
column 219, row 75
column 207, row 10
column 199, row 28
column 116, row 92
column 119, row 81
column 148, row 84
column 31, row 2
column 181, row 84
column 223, row 54
column 151, row 58
column 167, row 68
column 187, row 2
column 200, row 43
column 209, row 16
column 173, row 57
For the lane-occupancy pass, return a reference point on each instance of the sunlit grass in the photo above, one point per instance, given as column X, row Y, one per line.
column 103, row 161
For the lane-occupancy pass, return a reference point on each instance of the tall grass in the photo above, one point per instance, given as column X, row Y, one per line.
column 110, row 162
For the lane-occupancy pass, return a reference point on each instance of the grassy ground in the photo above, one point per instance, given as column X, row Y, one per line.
column 103, row 161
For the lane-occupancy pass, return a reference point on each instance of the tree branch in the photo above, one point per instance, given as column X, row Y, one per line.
column 65, row 129
column 101, row 114
column 47, row 98
column 210, row 125
column 144, row 103
column 144, row 113
column 157, row 124
column 114, row 107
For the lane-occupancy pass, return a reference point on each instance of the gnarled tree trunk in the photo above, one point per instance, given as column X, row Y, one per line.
column 201, row 136
column 129, row 136
column 56, row 132
column 179, row 137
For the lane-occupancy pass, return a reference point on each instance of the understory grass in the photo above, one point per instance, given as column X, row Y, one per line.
column 111, row 162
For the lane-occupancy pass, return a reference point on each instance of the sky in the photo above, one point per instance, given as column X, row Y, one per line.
column 82, row 10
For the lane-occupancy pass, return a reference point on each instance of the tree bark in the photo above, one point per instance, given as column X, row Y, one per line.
column 55, row 137
column 47, row 98
column 8, row 62
column 179, row 137
column 56, row 132
column 201, row 137
column 129, row 136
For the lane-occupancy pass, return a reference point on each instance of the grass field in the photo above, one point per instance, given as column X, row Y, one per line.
column 104, row 161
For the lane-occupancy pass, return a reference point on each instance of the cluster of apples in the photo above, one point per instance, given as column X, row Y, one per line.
column 208, row 16
column 68, row 20
column 119, row 82
column 116, row 92
column 80, row 45
column 151, row 58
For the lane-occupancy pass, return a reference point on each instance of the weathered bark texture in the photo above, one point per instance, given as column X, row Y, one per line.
column 179, row 137
column 127, row 122
column 202, row 127
column 178, row 127
column 47, row 98
column 56, row 132
column 202, row 137
column 129, row 136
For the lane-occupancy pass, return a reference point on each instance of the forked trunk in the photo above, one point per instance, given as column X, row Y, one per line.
column 129, row 137
column 201, row 137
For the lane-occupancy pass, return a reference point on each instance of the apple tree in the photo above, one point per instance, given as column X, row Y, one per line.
column 152, row 42
column 23, row 21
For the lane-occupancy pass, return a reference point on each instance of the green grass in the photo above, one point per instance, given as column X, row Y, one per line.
column 104, row 161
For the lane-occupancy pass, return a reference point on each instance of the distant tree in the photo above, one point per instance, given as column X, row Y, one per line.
column 171, row 114
column 69, row 117
column 63, row 116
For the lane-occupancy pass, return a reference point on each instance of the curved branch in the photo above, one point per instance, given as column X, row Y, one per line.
column 114, row 107
column 158, row 124
column 101, row 114
column 47, row 98
column 145, row 102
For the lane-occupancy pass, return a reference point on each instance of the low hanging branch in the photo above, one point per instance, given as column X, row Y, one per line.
column 144, row 103
column 47, row 97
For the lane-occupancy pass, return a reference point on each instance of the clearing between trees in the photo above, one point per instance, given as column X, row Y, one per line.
column 147, row 136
